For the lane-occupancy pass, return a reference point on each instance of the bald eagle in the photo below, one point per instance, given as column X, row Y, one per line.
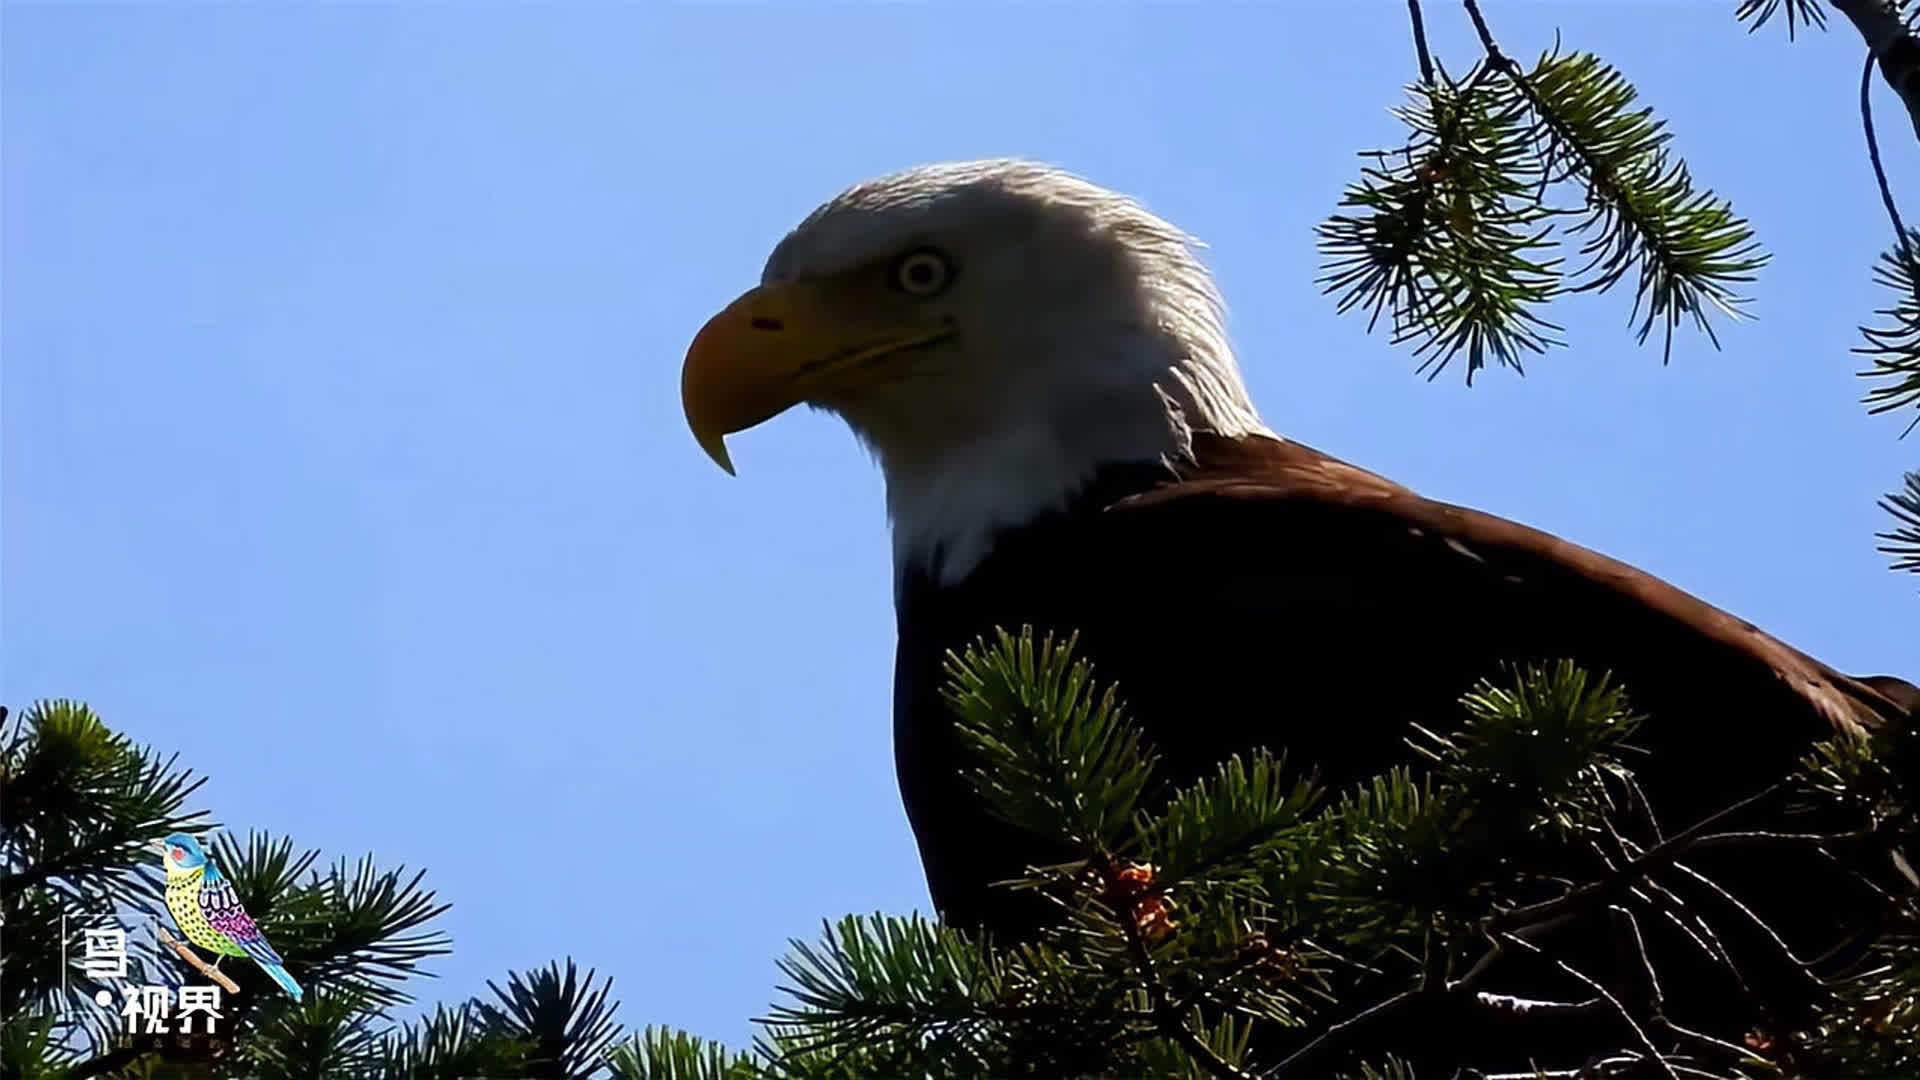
column 1041, row 368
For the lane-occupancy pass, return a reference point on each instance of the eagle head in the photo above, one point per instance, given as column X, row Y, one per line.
column 993, row 331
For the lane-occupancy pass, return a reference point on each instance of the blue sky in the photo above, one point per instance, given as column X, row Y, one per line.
column 343, row 451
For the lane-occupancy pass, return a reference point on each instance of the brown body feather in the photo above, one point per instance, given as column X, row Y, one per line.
column 1265, row 594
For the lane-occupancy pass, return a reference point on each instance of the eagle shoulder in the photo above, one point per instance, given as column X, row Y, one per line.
column 1268, row 478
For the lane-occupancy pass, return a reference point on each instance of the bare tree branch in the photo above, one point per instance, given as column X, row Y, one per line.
column 1420, row 41
column 1889, row 39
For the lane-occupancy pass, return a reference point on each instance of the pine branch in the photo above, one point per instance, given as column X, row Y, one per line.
column 1412, row 876
column 904, row 980
column 1873, row 1026
column 1757, row 13
column 1420, row 41
column 1545, row 741
column 1895, row 350
column 563, row 1020
column 359, row 926
column 1644, row 211
column 452, row 1044
column 1168, row 1018
column 331, row 1032
column 1451, row 234
column 1228, row 823
column 1903, row 542
column 30, row 1046
column 79, row 802
column 78, row 805
column 1625, row 876
column 1057, row 758
column 1449, row 231
column 658, row 1053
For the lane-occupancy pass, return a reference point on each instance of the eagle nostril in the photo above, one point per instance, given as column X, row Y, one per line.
column 763, row 323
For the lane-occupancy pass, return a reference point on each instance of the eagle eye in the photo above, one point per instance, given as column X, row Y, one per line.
column 924, row 272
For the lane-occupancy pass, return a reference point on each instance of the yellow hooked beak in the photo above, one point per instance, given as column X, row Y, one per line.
column 775, row 347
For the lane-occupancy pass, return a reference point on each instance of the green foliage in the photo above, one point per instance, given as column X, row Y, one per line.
column 1228, row 825
column 1643, row 212
column 564, row 1021
column 1903, row 540
column 665, row 1054
column 1206, row 931
column 1894, row 351
column 30, row 1047
column 82, row 803
column 1547, row 740
column 451, row 1044
column 1871, row 1027
column 904, row 982
column 1449, row 236
column 1757, row 13
column 870, row 974
column 78, row 803
column 77, row 800
column 1456, row 232
column 329, row 1033
column 1066, row 757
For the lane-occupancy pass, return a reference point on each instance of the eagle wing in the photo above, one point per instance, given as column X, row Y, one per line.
column 1517, row 566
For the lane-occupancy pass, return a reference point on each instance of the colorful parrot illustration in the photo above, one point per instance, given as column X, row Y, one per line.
column 207, row 911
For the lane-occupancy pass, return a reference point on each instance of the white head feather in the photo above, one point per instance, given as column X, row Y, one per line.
column 1089, row 334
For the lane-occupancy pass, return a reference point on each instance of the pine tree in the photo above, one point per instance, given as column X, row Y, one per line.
column 79, row 804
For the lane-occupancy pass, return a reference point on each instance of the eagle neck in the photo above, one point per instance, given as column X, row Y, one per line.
column 940, row 562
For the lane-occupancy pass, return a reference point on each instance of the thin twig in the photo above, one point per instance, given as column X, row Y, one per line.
column 1736, row 839
column 1420, row 41
column 1737, row 1052
column 1646, row 1044
column 1656, row 997
column 1594, row 1071
column 1596, row 176
column 1665, row 851
column 1320, row 1040
column 1166, row 1019
column 1495, row 953
column 1699, row 932
column 1873, row 155
column 1510, row 1005
column 1802, row 966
